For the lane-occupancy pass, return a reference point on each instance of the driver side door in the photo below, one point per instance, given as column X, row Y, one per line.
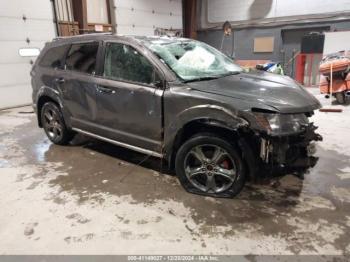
column 129, row 102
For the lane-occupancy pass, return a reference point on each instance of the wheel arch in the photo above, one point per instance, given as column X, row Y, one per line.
column 192, row 120
column 196, row 126
column 46, row 95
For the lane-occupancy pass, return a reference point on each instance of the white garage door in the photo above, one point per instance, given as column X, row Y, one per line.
column 23, row 24
column 143, row 17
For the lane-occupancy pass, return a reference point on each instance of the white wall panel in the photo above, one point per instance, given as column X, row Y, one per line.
column 11, row 96
column 129, row 30
column 9, row 51
column 140, row 17
column 238, row 10
column 336, row 41
column 39, row 28
column 17, row 30
column 14, row 73
column 34, row 9
column 164, row 6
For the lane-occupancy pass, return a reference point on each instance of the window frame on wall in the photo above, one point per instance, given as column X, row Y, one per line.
column 72, row 18
column 64, row 10
column 106, row 12
column 92, row 26
column 66, row 23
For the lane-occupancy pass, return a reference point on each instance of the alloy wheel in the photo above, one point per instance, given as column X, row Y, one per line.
column 210, row 168
column 53, row 124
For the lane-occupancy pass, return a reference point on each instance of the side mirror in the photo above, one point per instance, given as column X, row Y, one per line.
column 158, row 83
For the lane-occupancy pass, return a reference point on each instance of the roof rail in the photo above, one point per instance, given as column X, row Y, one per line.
column 82, row 35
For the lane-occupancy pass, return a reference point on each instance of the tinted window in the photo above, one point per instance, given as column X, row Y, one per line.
column 123, row 62
column 82, row 57
column 54, row 57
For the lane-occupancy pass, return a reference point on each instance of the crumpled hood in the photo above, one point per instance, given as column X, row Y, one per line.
column 279, row 92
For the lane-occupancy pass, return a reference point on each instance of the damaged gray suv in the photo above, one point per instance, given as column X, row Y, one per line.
column 176, row 99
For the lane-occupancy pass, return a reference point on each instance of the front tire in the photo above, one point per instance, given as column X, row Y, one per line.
column 209, row 165
column 53, row 123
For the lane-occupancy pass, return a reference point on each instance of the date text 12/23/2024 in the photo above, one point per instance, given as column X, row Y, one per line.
column 173, row 258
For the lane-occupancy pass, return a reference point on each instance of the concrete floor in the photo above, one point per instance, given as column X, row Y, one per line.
column 93, row 198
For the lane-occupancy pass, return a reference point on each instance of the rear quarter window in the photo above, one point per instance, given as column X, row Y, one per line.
column 54, row 57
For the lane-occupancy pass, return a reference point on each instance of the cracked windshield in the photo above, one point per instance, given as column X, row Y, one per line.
column 192, row 60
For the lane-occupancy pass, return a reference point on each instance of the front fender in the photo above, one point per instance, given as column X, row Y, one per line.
column 218, row 114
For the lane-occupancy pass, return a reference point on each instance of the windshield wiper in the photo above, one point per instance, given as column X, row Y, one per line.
column 211, row 77
column 230, row 73
column 201, row 79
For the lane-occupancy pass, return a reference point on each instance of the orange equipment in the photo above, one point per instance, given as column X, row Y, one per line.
column 336, row 68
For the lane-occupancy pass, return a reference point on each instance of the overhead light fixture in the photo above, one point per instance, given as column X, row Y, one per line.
column 29, row 52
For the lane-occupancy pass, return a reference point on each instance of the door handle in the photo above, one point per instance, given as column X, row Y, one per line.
column 59, row 80
column 105, row 90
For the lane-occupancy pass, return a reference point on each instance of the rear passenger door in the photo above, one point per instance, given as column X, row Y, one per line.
column 79, row 84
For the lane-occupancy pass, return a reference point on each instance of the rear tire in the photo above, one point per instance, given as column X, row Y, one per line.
column 53, row 123
column 209, row 165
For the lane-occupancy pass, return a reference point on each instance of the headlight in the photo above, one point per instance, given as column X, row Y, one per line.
column 281, row 124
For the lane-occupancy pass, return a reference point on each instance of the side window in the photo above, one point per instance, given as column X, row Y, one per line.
column 123, row 62
column 54, row 57
column 82, row 57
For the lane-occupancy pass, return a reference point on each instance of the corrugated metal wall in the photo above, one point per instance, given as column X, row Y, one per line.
column 21, row 21
column 140, row 17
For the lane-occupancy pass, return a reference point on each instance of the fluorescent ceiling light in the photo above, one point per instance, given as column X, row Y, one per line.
column 29, row 51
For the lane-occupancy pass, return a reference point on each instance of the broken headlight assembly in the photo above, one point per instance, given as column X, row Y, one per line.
column 281, row 124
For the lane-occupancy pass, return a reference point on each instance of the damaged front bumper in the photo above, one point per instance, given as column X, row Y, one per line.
column 268, row 155
column 293, row 153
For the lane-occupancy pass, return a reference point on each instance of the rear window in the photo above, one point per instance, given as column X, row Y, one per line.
column 54, row 57
column 82, row 57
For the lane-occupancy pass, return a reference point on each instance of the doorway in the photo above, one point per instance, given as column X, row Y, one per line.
column 291, row 45
column 75, row 17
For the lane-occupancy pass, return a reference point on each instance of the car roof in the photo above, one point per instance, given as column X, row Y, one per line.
column 137, row 40
column 110, row 36
column 159, row 39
